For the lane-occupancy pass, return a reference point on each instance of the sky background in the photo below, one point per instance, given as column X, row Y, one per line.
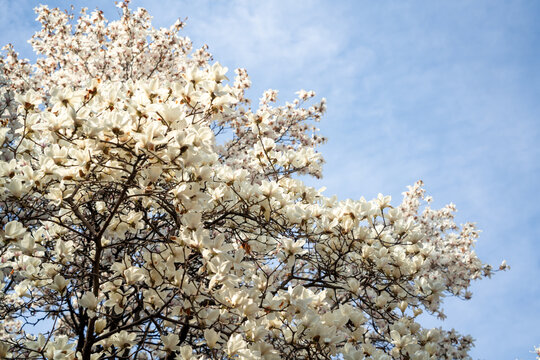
column 447, row 92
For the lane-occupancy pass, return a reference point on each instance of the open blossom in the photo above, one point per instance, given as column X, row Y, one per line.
column 148, row 210
column 59, row 283
column 13, row 230
column 89, row 301
column 211, row 337
column 123, row 339
column 293, row 248
column 170, row 342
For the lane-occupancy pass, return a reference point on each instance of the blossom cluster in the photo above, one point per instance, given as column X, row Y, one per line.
column 149, row 212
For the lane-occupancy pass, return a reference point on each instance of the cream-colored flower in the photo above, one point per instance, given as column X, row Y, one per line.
column 89, row 301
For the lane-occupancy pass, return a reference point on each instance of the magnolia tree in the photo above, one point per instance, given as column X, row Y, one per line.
column 150, row 212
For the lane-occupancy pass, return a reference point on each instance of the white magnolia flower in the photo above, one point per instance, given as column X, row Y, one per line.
column 14, row 230
column 211, row 337
column 170, row 342
column 89, row 301
column 133, row 275
column 292, row 247
column 235, row 345
column 59, row 283
column 100, row 325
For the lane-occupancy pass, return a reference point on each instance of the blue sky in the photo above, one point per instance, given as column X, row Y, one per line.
column 447, row 92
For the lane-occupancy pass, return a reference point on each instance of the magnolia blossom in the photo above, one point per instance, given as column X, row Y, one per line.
column 150, row 212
